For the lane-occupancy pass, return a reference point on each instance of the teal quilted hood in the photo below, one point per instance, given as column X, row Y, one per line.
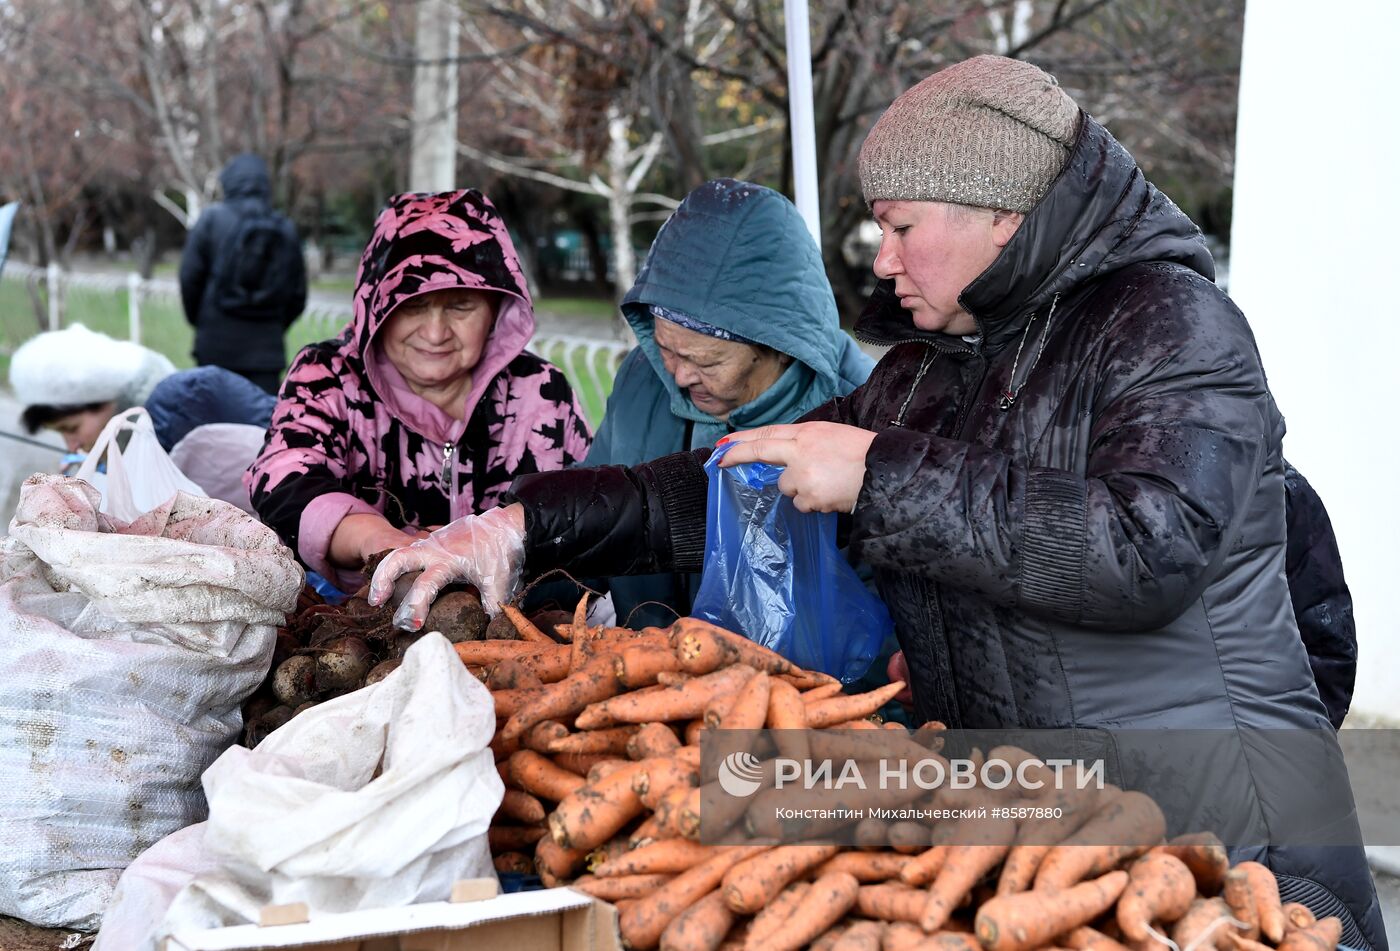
column 738, row 256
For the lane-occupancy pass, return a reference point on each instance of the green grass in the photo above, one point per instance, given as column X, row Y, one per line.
column 164, row 328
column 600, row 307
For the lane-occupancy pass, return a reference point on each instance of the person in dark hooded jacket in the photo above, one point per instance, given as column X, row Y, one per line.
column 721, row 347
column 243, row 277
column 1066, row 473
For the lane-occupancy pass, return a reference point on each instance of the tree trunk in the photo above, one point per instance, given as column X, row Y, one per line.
column 620, row 203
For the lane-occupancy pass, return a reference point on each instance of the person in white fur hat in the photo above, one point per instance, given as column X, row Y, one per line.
column 74, row 380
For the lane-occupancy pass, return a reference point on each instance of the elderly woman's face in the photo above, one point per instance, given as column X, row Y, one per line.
column 437, row 338
column 719, row 376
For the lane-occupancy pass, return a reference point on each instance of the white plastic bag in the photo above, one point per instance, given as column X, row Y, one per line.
column 140, row 476
column 215, row 457
column 378, row 798
column 125, row 652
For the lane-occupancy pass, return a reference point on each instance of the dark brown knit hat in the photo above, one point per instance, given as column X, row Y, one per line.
column 989, row 131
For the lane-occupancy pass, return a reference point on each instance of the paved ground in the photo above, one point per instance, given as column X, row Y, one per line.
column 19, row 461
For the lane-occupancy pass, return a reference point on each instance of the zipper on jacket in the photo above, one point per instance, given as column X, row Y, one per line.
column 447, row 481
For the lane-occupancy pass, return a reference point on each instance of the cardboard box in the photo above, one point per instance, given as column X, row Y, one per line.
column 556, row 919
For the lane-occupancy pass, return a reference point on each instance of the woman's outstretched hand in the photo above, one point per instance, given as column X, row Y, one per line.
column 487, row 550
column 824, row 463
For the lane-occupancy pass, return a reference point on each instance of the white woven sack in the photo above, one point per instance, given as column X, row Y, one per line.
column 375, row 799
column 125, row 652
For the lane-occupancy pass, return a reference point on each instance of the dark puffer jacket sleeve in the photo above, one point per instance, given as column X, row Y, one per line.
column 1177, row 444
column 1321, row 600
column 612, row 520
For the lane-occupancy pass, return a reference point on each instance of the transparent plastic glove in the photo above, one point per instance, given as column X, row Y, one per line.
column 487, row 550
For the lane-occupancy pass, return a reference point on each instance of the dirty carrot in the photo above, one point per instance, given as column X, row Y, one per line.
column 861, row 936
column 609, row 850
column 622, row 886
column 900, row 936
column 923, row 868
column 1204, row 854
column 703, row 647
column 606, row 767
column 826, row 941
column 1264, row 888
column 642, row 924
column 664, row 857
column 755, row 882
column 777, row 911
column 485, row 653
column 595, row 682
column 891, row 902
column 594, row 813
column 511, row 674
column 1130, row 821
column 1198, row 928
column 1160, row 888
column 717, row 708
column 1240, row 898
column 828, row 901
column 543, row 734
column 639, row 666
column 580, row 764
column 613, row 741
column 846, row 707
column 866, row 866
column 1323, row 935
column 554, row 863
column 821, row 692
column 701, row 927
column 1085, row 938
column 963, row 868
column 509, row 702
column 1018, row 871
column 672, row 703
column 749, row 711
column 788, row 717
column 539, row 776
column 653, row 739
column 550, row 665
column 649, row 831
column 1030, row 919
column 1297, row 915
column 522, row 807
column 513, row 838
column 524, row 627
column 660, row 774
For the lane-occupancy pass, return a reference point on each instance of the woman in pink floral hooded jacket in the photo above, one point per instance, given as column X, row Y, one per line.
column 428, row 404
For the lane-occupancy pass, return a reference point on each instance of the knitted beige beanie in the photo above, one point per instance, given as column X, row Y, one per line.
column 989, row 131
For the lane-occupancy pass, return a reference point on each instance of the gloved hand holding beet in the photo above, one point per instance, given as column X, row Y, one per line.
column 487, row 550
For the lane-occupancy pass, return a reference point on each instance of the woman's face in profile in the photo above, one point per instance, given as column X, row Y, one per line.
column 81, row 429
column 719, row 376
column 437, row 338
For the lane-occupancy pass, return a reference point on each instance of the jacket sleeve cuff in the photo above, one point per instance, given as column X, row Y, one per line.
column 318, row 523
column 1053, row 539
column 681, row 486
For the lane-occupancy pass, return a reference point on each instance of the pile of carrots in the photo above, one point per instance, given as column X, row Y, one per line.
column 598, row 745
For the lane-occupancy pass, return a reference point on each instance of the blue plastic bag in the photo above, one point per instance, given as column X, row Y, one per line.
column 775, row 575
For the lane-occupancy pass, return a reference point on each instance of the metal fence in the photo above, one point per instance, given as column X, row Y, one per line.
column 589, row 363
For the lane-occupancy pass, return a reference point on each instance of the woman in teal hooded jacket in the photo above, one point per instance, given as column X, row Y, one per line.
column 736, row 328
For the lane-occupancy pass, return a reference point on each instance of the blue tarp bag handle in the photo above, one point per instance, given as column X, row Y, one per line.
column 775, row 575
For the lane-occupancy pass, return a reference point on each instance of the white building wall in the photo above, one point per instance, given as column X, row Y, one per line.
column 1315, row 265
